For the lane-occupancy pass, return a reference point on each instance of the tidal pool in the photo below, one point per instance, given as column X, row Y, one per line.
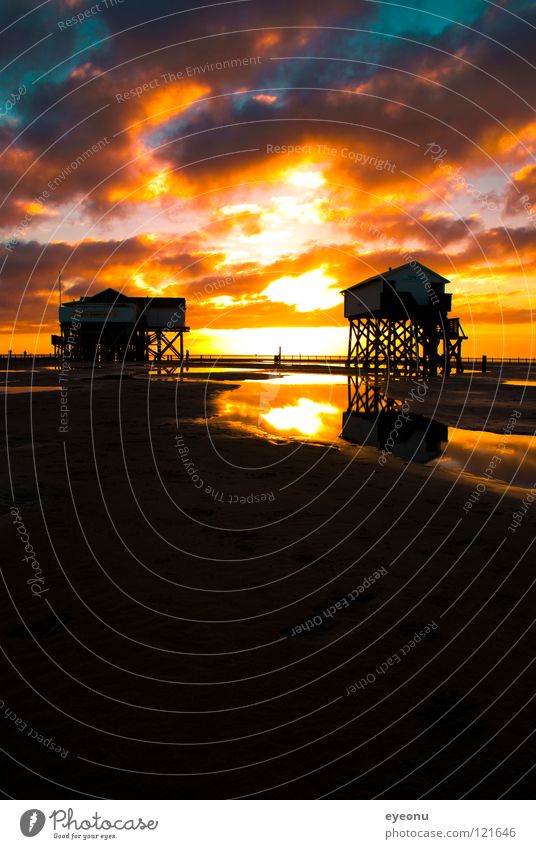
column 336, row 410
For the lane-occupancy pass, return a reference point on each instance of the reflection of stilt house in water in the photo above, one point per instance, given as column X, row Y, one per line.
column 375, row 419
column 111, row 327
column 399, row 323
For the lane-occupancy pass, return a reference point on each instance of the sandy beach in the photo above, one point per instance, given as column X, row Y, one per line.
column 222, row 614
column 478, row 401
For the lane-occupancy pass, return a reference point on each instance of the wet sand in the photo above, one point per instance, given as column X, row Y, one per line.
column 477, row 401
column 164, row 656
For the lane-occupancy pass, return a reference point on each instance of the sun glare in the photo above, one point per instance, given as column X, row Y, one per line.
column 158, row 185
column 305, row 178
column 313, row 290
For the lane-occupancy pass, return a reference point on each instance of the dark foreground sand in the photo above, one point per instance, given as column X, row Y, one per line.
column 160, row 658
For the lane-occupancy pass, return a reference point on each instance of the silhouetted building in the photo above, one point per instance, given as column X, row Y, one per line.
column 112, row 327
column 399, row 322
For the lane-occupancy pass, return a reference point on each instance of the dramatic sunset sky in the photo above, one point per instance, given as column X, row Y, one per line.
column 416, row 133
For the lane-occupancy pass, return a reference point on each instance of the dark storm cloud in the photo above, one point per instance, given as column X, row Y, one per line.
column 489, row 87
column 83, row 67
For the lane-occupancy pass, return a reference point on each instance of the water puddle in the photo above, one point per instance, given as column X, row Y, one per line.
column 301, row 406
column 334, row 409
column 520, row 382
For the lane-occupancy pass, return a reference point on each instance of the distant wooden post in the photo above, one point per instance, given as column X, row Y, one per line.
column 484, row 364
